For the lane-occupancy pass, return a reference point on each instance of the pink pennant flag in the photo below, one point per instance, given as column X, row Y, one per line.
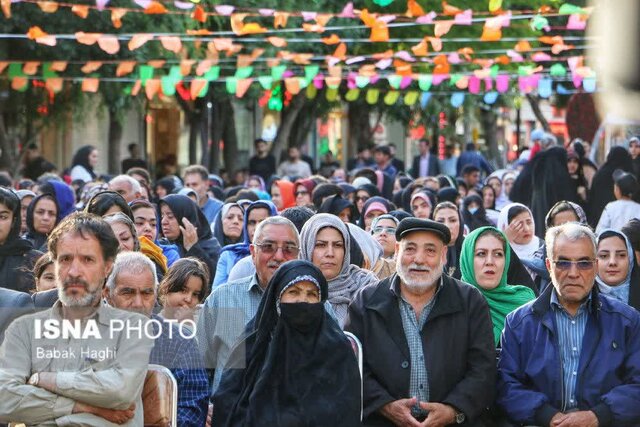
column 309, row 16
column 427, row 19
column 266, row 12
column 541, row 57
column 488, row 84
column 575, row 22
column 318, row 81
column 387, row 18
column 224, row 9
column 502, row 83
column 577, row 80
column 406, row 81
column 454, row 58
column 101, row 4
column 351, row 80
column 464, row 18
column 347, row 11
column 405, row 56
column 185, row 5
column 439, row 78
column 515, row 56
column 474, row 85
column 384, row 63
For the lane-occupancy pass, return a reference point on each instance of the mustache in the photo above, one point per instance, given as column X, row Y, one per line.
column 418, row 268
column 75, row 282
column 274, row 264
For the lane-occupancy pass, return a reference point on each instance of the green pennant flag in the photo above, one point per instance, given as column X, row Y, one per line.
column 203, row 91
column 391, row 97
column 312, row 92
column 570, row 9
column 266, row 82
column 372, row 96
column 352, row 95
column 495, row 69
column 394, row 81
column 15, row 70
column 175, row 73
column 278, row 71
column 411, row 98
column 168, row 85
column 146, row 73
column 362, row 81
column 424, row 81
column 47, row 73
column 454, row 78
column 558, row 70
column 310, row 71
column 212, row 74
column 242, row 72
column 231, row 83
column 332, row 94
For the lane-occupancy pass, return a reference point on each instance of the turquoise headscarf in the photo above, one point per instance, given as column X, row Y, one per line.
column 504, row 298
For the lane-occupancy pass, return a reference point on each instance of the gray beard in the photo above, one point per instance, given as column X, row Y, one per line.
column 85, row 301
column 418, row 286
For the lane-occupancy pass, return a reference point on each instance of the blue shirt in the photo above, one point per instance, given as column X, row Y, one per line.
column 412, row 325
column 180, row 355
column 570, row 334
column 211, row 209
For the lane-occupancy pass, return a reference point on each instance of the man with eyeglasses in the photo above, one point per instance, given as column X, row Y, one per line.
column 572, row 356
column 383, row 229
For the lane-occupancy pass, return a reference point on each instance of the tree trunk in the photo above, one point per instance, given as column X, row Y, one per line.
column 114, row 138
column 303, row 124
column 289, row 116
column 203, row 114
column 7, row 150
column 490, row 129
column 534, row 101
column 229, row 136
column 360, row 131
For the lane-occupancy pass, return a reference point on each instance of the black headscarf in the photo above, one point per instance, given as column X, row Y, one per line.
column 207, row 248
column 336, row 204
column 300, row 368
column 452, row 268
column 82, row 158
column 601, row 191
column 478, row 218
column 14, row 245
column 38, row 239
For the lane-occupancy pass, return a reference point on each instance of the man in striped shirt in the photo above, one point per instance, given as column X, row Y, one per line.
column 572, row 356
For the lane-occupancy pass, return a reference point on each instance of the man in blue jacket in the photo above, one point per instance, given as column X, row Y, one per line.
column 572, row 356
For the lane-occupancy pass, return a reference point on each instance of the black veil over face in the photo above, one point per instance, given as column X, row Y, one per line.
column 300, row 368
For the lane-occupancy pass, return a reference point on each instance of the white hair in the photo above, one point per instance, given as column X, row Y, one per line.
column 135, row 185
column 276, row 220
column 131, row 262
column 573, row 232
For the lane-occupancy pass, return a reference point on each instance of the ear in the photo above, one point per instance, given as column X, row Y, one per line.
column 444, row 254
column 108, row 267
column 252, row 251
column 106, row 295
column 397, row 247
column 547, row 263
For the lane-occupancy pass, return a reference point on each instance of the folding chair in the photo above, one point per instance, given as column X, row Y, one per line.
column 356, row 345
column 160, row 398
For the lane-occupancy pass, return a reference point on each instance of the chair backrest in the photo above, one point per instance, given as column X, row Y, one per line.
column 356, row 345
column 160, row 397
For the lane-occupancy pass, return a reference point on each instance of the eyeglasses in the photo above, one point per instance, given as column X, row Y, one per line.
column 388, row 230
column 271, row 248
column 584, row 264
column 301, row 193
column 361, row 199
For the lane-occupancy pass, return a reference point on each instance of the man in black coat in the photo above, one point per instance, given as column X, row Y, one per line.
column 426, row 163
column 427, row 338
column 13, row 304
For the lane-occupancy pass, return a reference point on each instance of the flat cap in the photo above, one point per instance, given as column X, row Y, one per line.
column 409, row 225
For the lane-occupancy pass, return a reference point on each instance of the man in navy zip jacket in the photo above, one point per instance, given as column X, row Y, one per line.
column 572, row 356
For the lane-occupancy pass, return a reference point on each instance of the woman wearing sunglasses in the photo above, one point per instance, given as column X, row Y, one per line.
column 618, row 274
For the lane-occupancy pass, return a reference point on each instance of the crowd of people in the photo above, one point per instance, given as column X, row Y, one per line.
column 448, row 293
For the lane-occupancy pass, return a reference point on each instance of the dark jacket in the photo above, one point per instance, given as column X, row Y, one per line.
column 13, row 304
column 530, row 372
column 457, row 340
column 434, row 166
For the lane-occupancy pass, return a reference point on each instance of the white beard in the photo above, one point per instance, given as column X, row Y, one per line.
column 414, row 284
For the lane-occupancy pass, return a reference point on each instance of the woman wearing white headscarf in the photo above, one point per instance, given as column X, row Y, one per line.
column 326, row 243
column 516, row 221
column 373, row 252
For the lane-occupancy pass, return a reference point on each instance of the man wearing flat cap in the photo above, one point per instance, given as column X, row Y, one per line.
column 429, row 356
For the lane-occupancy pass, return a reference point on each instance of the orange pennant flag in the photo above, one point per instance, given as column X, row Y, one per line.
column 116, row 16
column 54, row 84
column 36, row 33
column 449, row 10
column 273, row 62
column 109, row 44
column 482, row 73
column 402, row 68
column 171, row 43
column 332, row 39
column 91, row 66
column 48, row 6
column 551, row 40
column 466, row 52
column 151, row 88
column 442, row 27
column 59, row 66
column 323, row 19
column 3, row 65
column 138, row 40
column 155, row 8
column 383, row 55
column 157, row 63
column 414, row 10
column 30, row 68
column 222, row 44
column 6, row 8
column 436, row 43
column 196, row 87
column 280, row 19
column 523, row 46
column 379, row 32
column 203, row 67
column 18, row 83
column 90, row 85
column 312, row 28
column 421, row 49
column 135, row 90
column 200, row 32
column 491, row 34
column 242, row 86
column 185, row 66
column 87, row 38
column 503, row 60
column 293, row 85
column 341, row 51
column 125, row 67
column 199, row 14
column 277, row 41
column 80, row 10
column 302, row 58
column 368, row 19
column 442, row 65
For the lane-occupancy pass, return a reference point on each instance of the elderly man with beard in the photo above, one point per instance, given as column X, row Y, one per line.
column 93, row 377
column 429, row 357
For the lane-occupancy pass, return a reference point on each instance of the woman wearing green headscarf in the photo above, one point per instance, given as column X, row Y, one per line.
column 484, row 263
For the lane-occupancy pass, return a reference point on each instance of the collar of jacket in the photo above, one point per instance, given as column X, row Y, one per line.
column 385, row 301
column 542, row 305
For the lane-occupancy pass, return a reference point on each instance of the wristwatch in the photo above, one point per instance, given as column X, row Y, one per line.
column 35, row 378
column 460, row 417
